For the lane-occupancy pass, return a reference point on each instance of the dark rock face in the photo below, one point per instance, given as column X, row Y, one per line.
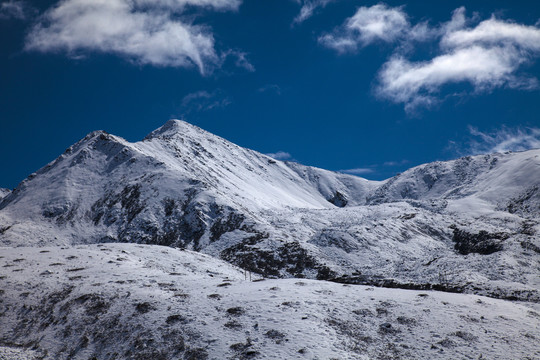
column 526, row 204
column 226, row 224
column 483, row 243
column 61, row 213
column 181, row 222
column 338, row 199
column 290, row 257
column 129, row 199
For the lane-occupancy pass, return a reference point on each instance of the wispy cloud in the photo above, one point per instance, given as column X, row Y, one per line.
column 143, row 31
column 240, row 59
column 272, row 88
column 280, row 155
column 495, row 32
column 309, row 7
column 200, row 101
column 486, row 56
column 357, row 171
column 14, row 9
column 368, row 25
column 500, row 140
column 395, row 163
column 417, row 84
column 377, row 169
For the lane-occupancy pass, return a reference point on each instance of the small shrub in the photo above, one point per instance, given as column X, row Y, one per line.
column 235, row 311
column 363, row 312
column 447, row 343
column 387, row 328
column 381, row 311
column 172, row 319
column 196, row 354
column 144, row 307
column 464, row 335
column 275, row 335
column 403, row 320
column 233, row 324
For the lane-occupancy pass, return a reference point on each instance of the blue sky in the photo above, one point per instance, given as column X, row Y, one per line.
column 366, row 87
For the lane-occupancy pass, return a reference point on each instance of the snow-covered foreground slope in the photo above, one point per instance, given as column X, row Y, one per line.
column 469, row 225
column 127, row 301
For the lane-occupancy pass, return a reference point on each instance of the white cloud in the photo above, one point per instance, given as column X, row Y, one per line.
column 358, row 171
column 280, row 155
column 143, row 31
column 14, row 9
column 418, row 83
column 366, row 26
column 486, row 56
column 495, row 32
column 309, row 7
column 203, row 101
column 396, row 163
column 241, row 59
column 270, row 88
column 504, row 139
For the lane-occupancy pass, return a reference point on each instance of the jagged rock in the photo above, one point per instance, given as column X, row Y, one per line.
column 482, row 243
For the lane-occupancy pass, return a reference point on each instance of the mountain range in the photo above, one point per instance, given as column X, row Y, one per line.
column 466, row 226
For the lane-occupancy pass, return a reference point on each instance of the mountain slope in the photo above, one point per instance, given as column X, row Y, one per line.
column 171, row 188
column 129, row 301
column 487, row 182
column 4, row 192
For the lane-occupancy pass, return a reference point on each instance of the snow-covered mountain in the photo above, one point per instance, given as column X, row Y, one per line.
column 179, row 186
column 468, row 225
column 82, row 275
column 507, row 182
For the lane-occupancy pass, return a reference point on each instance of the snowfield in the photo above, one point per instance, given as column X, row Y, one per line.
column 120, row 250
column 126, row 301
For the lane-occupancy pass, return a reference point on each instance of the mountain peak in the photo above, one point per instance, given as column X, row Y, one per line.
column 174, row 127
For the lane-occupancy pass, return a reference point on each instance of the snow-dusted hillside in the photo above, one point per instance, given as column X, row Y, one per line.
column 126, row 301
column 478, row 184
column 468, row 225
